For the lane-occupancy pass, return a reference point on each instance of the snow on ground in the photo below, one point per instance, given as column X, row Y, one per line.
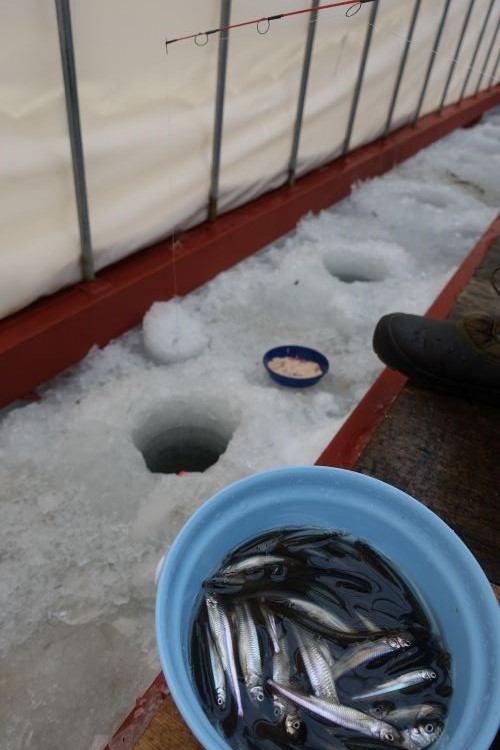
column 84, row 521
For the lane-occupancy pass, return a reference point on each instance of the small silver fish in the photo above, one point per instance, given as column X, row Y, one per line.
column 250, row 564
column 297, row 540
column 366, row 652
column 218, row 678
column 282, row 673
column 404, row 717
column 325, row 652
column 313, row 611
column 337, row 713
column 400, row 683
column 249, row 652
column 318, row 552
column 261, row 545
column 292, row 722
column 367, row 623
column 317, row 666
column 271, row 625
column 422, row 735
column 221, row 631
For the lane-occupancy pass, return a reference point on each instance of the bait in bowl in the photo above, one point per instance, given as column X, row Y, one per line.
column 295, row 366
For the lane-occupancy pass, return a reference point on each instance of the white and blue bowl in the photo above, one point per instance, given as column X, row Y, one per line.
column 425, row 550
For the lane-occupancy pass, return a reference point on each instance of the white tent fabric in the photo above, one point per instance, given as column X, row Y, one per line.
column 147, row 117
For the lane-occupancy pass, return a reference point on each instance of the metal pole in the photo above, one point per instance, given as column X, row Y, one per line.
column 311, row 31
column 487, row 58
column 457, row 53
column 476, row 50
column 225, row 17
column 75, row 134
column 359, row 82
column 434, row 52
column 495, row 68
column 402, row 66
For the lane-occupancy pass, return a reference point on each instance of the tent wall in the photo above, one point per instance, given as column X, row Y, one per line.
column 147, row 117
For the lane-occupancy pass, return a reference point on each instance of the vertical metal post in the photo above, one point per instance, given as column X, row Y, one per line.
column 402, row 66
column 434, row 52
column 457, row 53
column 75, row 134
column 495, row 69
column 487, row 58
column 311, row 31
column 476, row 49
column 225, row 17
column 359, row 82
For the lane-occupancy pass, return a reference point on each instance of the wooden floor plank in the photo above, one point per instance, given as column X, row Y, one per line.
column 168, row 731
column 445, row 451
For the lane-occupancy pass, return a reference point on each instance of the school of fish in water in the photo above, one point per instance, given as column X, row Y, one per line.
column 310, row 639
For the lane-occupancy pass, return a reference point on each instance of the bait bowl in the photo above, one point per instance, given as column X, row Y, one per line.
column 429, row 555
column 297, row 352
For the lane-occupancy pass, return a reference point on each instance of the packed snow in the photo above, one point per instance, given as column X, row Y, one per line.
column 84, row 521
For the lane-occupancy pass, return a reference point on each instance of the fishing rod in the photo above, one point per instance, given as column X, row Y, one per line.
column 263, row 24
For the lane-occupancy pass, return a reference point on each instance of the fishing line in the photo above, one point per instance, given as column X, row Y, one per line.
column 173, row 241
column 436, row 51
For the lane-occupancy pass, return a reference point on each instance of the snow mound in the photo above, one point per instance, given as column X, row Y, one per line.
column 172, row 334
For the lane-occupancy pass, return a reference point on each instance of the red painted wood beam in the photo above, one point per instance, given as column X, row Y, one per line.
column 55, row 332
column 140, row 717
column 343, row 452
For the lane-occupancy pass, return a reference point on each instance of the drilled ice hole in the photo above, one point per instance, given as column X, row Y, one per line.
column 174, row 440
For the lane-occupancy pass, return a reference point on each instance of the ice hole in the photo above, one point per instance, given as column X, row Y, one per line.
column 348, row 270
column 173, row 442
column 349, row 277
column 180, row 449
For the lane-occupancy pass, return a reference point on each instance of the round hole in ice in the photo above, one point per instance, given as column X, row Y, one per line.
column 183, row 449
column 351, row 269
column 350, row 278
column 176, row 444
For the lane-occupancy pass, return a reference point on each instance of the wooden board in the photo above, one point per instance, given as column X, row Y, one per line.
column 445, row 458
column 168, row 731
column 445, row 451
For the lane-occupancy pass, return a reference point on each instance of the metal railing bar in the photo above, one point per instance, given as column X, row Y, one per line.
column 487, row 58
column 456, row 53
column 359, row 81
column 213, row 199
column 434, row 52
column 63, row 11
column 402, row 66
column 493, row 75
column 476, row 49
column 311, row 31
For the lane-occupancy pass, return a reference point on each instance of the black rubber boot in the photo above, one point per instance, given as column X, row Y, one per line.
column 461, row 358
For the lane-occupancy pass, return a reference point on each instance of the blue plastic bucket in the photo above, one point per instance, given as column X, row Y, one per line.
column 426, row 551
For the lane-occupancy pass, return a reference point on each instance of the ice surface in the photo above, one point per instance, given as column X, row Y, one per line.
column 83, row 520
